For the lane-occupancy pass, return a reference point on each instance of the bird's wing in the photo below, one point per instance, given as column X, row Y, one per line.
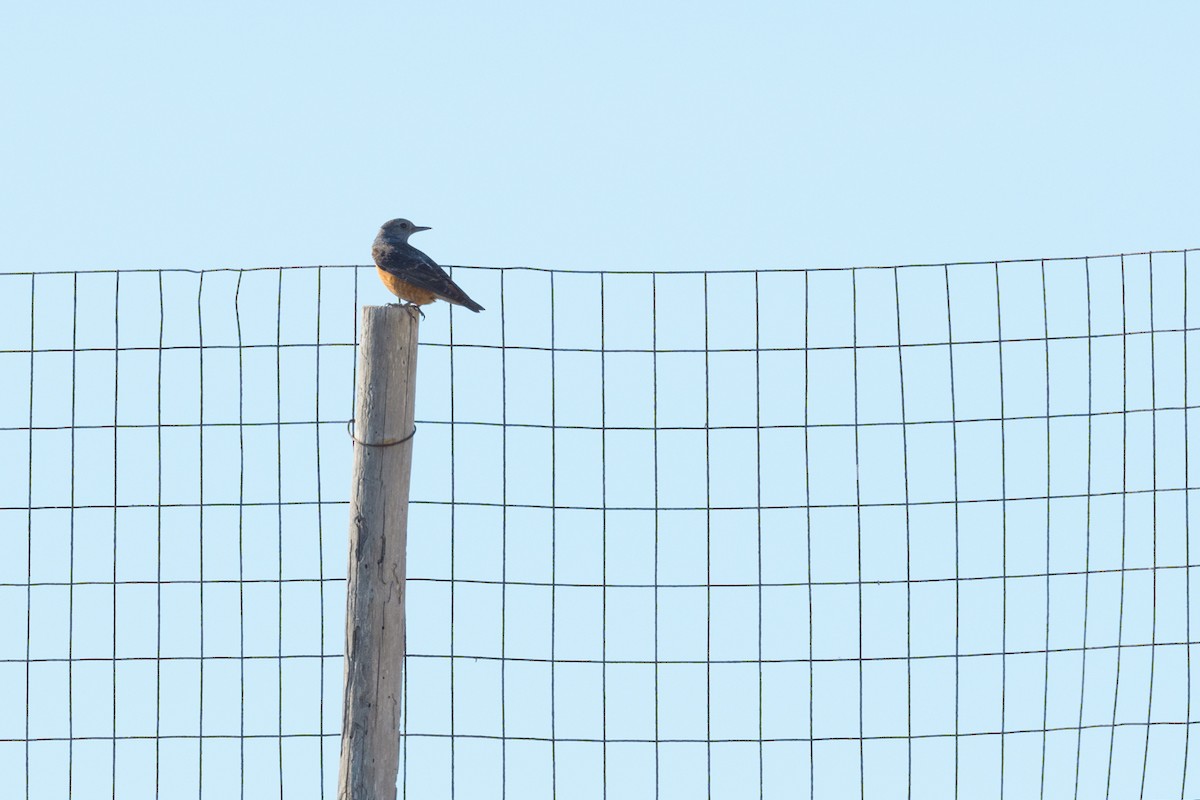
column 412, row 266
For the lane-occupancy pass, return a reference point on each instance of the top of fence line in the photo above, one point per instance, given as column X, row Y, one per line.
column 981, row 263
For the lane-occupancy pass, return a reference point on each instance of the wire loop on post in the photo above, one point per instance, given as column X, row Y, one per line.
column 350, row 430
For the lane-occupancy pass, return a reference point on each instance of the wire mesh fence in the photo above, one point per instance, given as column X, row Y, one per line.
column 919, row 531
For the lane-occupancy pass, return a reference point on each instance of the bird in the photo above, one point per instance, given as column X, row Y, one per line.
column 410, row 274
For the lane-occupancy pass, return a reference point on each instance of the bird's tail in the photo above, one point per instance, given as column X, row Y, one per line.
column 471, row 304
column 458, row 297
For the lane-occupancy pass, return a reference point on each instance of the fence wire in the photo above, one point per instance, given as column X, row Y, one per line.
column 917, row 531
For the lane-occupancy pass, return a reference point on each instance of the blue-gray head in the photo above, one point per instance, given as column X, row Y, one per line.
column 398, row 230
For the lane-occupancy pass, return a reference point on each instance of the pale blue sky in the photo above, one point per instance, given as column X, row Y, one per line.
column 600, row 136
column 678, row 136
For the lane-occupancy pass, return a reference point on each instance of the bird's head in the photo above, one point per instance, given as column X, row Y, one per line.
column 398, row 230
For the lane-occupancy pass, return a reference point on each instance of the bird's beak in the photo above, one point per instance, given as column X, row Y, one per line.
column 417, row 228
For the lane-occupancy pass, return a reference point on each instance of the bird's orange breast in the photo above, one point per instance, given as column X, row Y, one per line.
column 405, row 290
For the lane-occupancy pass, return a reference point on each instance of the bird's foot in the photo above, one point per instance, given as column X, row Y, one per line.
column 412, row 305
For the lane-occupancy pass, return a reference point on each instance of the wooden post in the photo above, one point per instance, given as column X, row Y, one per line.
column 383, row 414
